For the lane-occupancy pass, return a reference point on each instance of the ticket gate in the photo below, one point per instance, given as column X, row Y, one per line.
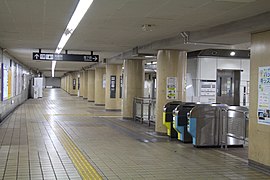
column 180, row 121
column 235, row 126
column 168, row 118
column 218, row 125
column 204, row 121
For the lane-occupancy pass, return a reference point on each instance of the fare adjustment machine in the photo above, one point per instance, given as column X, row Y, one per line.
column 168, row 118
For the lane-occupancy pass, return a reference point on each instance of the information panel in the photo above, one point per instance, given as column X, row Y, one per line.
column 121, row 86
column 112, row 86
column 264, row 95
column 171, row 88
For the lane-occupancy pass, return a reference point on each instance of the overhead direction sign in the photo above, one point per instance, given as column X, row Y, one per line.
column 65, row 57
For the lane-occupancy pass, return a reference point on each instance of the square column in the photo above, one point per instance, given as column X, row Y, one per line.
column 91, row 86
column 100, row 86
column 259, row 129
column 113, row 100
column 85, row 84
column 171, row 64
column 133, row 85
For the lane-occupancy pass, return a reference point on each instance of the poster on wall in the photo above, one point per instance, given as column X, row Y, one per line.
column 264, row 96
column 9, row 82
column 171, row 88
column 104, row 81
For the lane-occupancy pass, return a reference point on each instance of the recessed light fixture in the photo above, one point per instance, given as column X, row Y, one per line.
column 232, row 53
column 148, row 27
column 76, row 18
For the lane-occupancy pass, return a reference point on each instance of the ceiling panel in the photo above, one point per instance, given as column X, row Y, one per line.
column 111, row 27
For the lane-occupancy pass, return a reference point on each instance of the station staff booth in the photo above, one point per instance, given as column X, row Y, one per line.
column 218, row 76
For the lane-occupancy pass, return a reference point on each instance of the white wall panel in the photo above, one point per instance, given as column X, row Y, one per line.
column 208, row 68
column 246, row 70
column 226, row 63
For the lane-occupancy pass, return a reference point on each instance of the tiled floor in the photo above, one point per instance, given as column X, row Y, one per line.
column 65, row 137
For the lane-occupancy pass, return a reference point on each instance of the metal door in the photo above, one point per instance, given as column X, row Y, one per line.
column 228, row 83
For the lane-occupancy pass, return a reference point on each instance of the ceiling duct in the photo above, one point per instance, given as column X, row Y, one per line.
column 186, row 35
column 135, row 54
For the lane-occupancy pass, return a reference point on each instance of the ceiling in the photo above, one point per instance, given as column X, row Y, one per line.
column 110, row 28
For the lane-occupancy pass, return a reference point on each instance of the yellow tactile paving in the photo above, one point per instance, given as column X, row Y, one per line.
column 85, row 169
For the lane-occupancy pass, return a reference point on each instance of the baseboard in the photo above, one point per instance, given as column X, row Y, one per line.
column 128, row 118
column 161, row 134
column 100, row 104
column 118, row 110
column 259, row 166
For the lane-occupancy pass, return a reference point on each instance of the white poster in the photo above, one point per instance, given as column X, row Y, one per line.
column 104, row 81
column 264, row 96
column 5, row 82
column 171, row 88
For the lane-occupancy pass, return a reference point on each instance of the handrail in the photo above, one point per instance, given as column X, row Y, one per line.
column 143, row 101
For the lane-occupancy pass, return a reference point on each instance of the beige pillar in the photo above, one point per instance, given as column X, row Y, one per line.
column 91, row 86
column 170, row 63
column 259, row 134
column 85, row 84
column 112, row 92
column 81, row 84
column 133, row 85
column 68, row 83
column 100, row 86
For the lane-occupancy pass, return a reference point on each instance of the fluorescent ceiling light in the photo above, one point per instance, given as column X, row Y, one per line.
column 76, row 18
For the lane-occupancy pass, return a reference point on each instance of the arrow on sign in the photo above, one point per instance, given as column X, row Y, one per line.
column 36, row 56
column 95, row 58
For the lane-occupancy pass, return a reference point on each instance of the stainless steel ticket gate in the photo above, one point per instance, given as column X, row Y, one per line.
column 217, row 125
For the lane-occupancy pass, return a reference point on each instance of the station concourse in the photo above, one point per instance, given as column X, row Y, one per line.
column 88, row 86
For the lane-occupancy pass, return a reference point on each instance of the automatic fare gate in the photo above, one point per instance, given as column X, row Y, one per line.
column 180, row 121
column 217, row 125
column 168, row 118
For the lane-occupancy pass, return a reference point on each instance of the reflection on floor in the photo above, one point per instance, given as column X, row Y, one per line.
column 64, row 137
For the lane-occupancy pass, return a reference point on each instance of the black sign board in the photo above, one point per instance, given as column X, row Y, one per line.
column 65, row 57
column 74, row 84
column 121, row 86
column 113, row 87
column 78, row 83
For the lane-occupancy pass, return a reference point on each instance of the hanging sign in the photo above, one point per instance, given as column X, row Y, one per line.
column 171, row 88
column 65, row 57
column 264, row 96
